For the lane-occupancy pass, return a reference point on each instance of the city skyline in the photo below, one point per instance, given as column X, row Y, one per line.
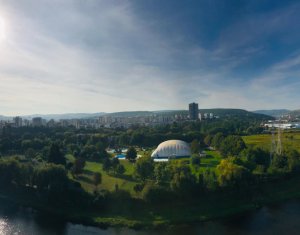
column 110, row 56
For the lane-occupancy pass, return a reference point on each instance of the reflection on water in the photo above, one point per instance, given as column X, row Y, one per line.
column 271, row 220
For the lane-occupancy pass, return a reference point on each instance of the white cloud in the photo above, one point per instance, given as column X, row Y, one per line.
column 78, row 56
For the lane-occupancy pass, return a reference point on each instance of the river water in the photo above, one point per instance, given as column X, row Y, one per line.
column 269, row 220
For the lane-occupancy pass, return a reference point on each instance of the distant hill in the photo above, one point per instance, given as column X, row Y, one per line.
column 221, row 112
column 273, row 112
column 129, row 114
column 56, row 116
column 65, row 116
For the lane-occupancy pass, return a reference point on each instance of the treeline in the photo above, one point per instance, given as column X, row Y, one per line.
column 46, row 183
column 91, row 143
column 152, row 136
column 35, row 143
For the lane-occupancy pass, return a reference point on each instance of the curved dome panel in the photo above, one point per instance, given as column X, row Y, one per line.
column 172, row 148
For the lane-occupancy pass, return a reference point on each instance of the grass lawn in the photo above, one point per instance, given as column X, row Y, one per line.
column 211, row 160
column 125, row 182
column 289, row 140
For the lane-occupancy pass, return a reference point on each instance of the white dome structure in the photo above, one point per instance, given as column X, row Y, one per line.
column 171, row 149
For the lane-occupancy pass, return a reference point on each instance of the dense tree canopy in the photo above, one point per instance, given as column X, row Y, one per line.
column 195, row 146
column 144, row 168
column 55, row 155
column 131, row 154
column 232, row 145
column 231, row 174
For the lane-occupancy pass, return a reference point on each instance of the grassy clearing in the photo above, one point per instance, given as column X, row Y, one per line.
column 289, row 140
column 211, row 160
column 109, row 182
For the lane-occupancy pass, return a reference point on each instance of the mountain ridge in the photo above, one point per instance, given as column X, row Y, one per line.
column 221, row 112
column 273, row 112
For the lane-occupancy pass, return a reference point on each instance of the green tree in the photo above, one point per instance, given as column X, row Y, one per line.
column 183, row 181
column 207, row 140
column 253, row 156
column 154, row 193
column 232, row 145
column 230, row 174
column 55, row 155
column 279, row 164
column 195, row 147
column 50, row 177
column 9, row 172
column 210, row 180
column 106, row 164
column 201, row 183
column 293, row 160
column 217, row 140
column 144, row 168
column 78, row 166
column 138, row 187
column 120, row 169
column 195, row 160
column 114, row 164
column 97, row 179
column 131, row 154
column 30, row 153
column 162, row 173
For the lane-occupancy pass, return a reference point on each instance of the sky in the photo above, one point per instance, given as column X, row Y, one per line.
column 107, row 55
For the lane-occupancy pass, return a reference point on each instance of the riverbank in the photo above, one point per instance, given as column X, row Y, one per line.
column 143, row 216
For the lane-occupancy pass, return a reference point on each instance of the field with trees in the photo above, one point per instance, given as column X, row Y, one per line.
column 290, row 139
column 70, row 172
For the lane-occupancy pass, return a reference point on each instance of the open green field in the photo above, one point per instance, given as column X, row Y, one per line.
column 211, row 160
column 289, row 140
column 125, row 182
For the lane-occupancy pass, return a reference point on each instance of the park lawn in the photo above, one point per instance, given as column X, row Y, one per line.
column 109, row 181
column 211, row 160
column 290, row 139
column 126, row 181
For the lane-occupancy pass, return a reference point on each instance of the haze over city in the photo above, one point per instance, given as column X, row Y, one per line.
column 108, row 56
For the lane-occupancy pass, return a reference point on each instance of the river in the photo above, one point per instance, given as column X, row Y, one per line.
column 275, row 219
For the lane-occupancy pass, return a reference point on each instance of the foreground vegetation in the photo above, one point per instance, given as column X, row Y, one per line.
column 138, row 214
column 69, row 172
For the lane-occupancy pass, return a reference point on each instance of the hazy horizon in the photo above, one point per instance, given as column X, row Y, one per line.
column 77, row 56
column 165, row 110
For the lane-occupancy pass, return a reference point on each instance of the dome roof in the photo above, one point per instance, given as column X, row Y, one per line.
column 172, row 148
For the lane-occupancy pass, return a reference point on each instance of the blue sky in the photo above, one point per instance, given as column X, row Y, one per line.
column 106, row 56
